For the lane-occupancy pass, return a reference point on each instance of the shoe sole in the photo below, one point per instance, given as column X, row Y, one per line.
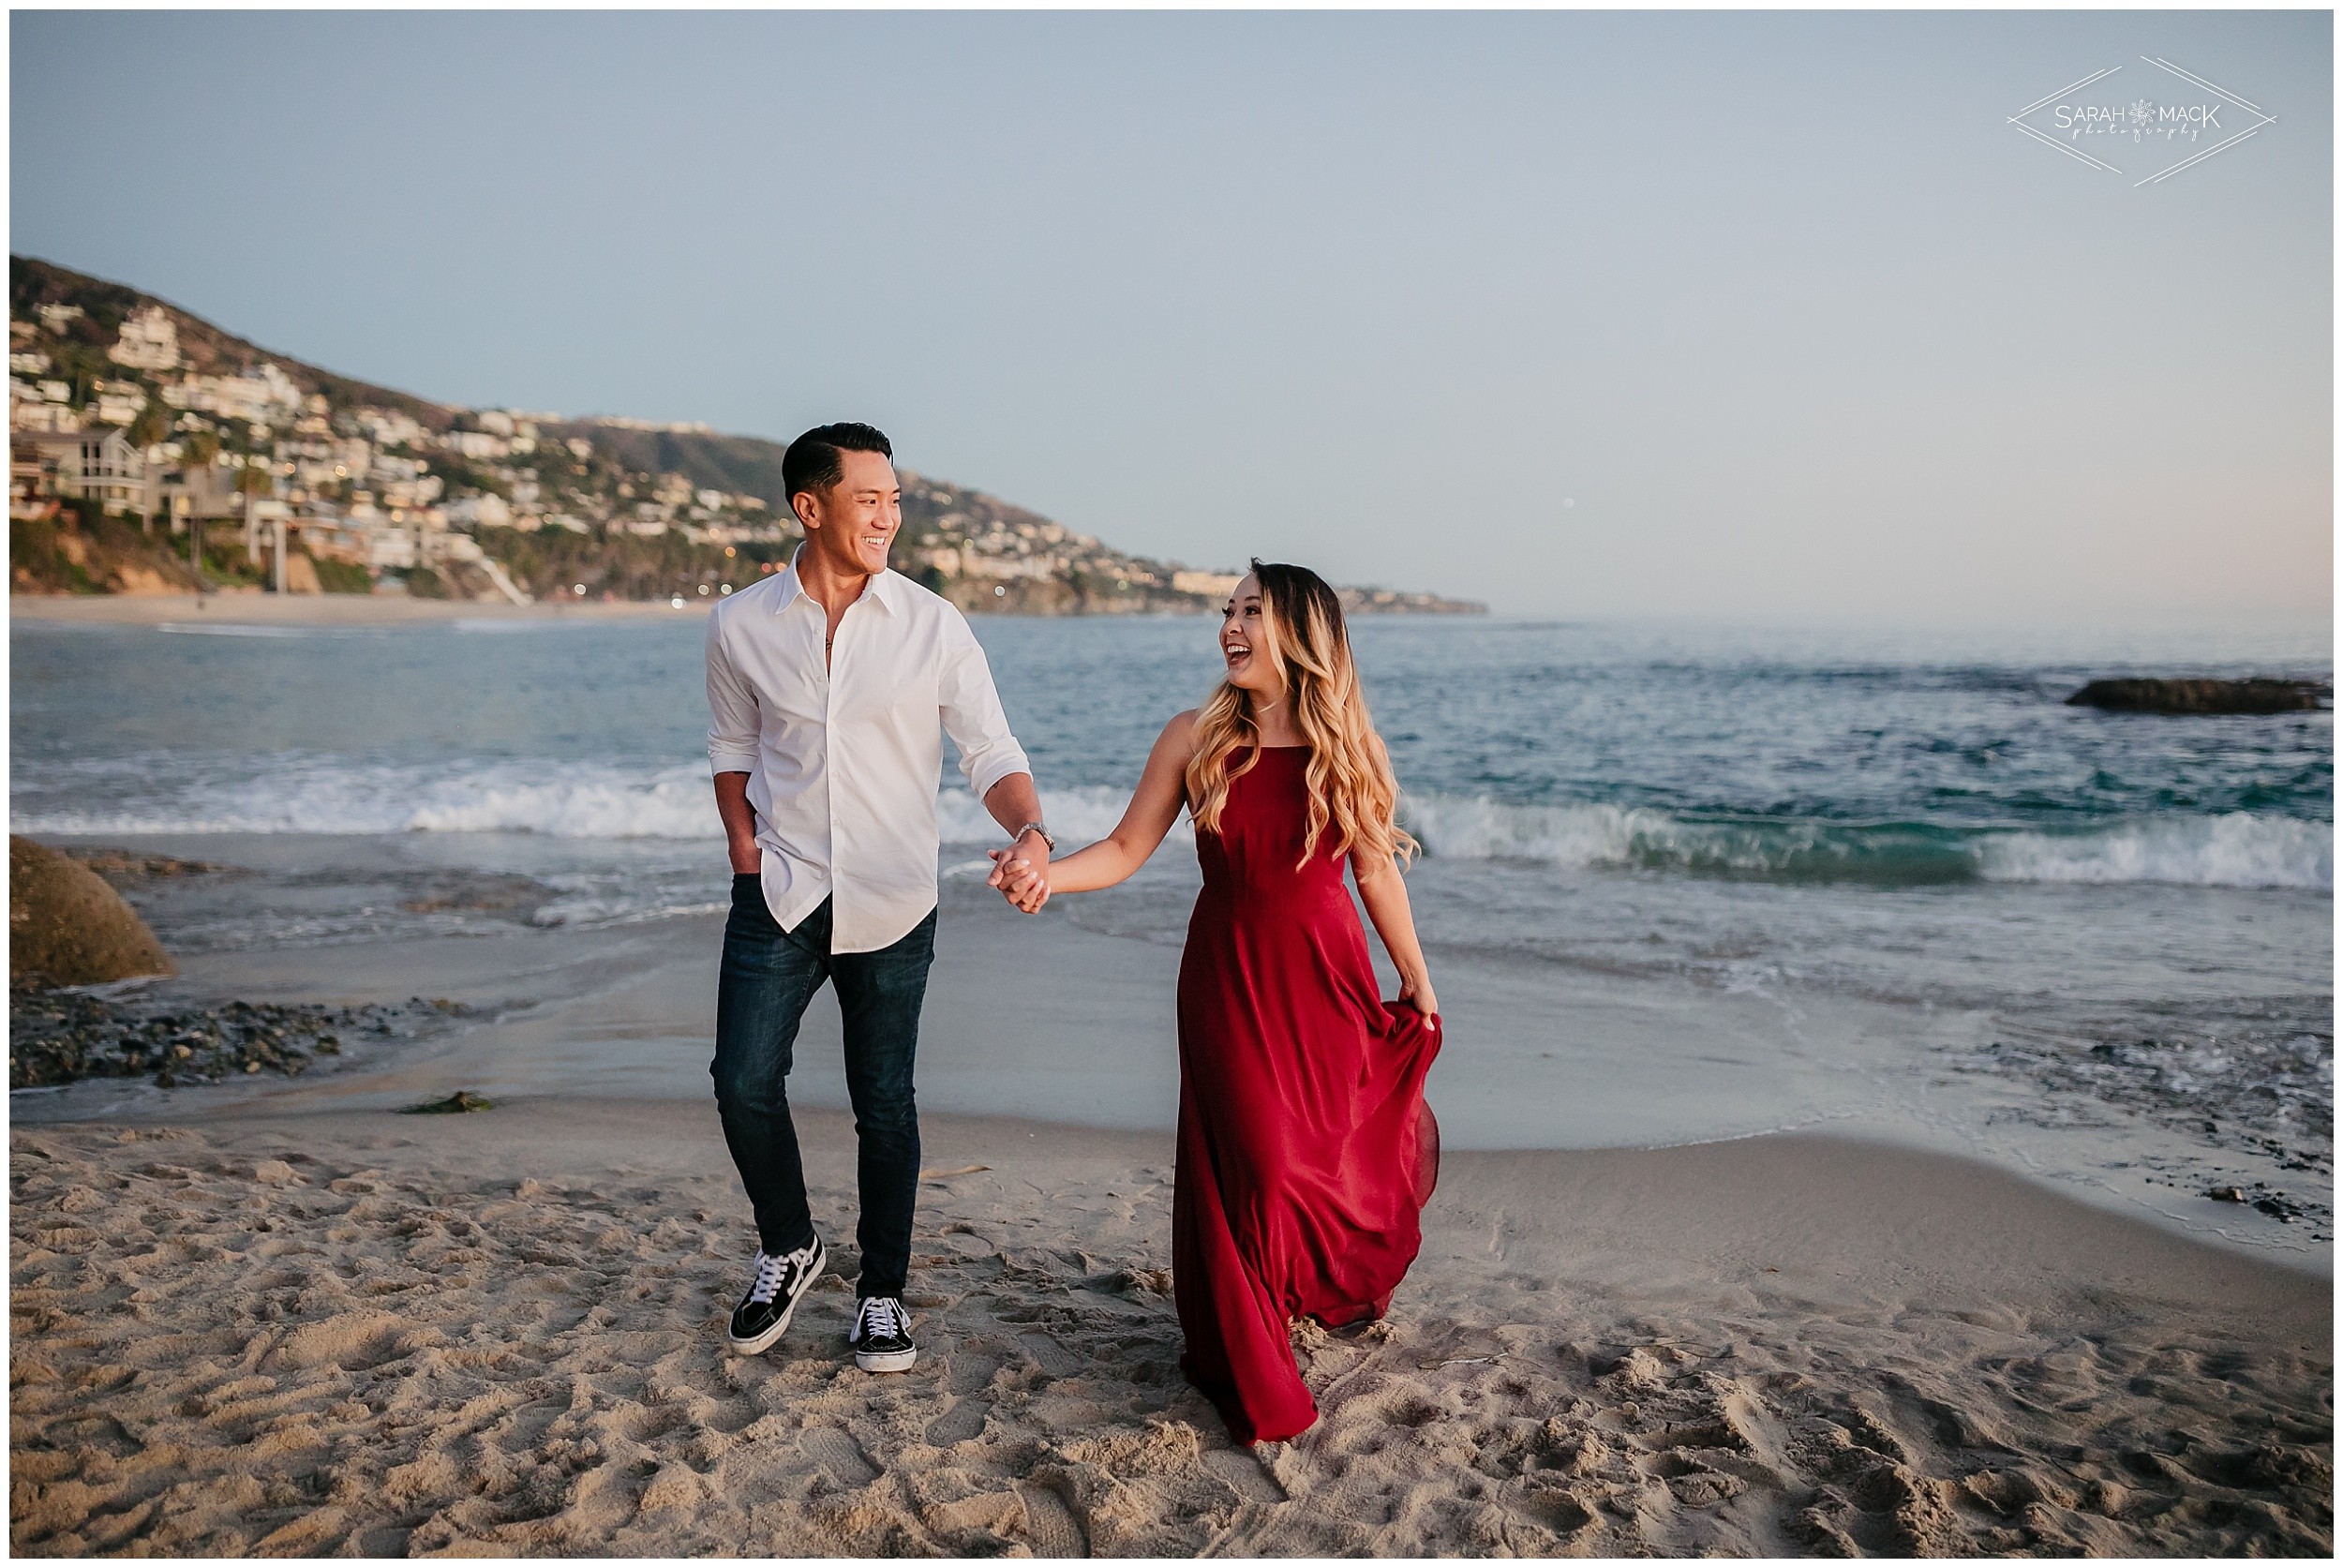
column 764, row 1341
column 886, row 1361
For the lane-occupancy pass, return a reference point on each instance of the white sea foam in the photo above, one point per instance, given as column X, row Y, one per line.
column 1454, row 828
column 1583, row 837
column 612, row 801
column 504, row 624
column 2238, row 850
column 238, row 629
column 667, row 807
column 620, row 909
column 1076, row 816
column 560, row 800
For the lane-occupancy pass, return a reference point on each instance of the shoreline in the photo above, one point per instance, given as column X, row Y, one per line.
column 624, row 1009
column 145, row 608
column 251, row 606
column 351, row 1330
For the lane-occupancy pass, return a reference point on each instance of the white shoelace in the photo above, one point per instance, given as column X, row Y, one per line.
column 767, row 1277
column 768, row 1272
column 882, row 1317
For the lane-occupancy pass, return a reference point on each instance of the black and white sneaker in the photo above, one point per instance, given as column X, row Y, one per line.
column 763, row 1315
column 881, row 1336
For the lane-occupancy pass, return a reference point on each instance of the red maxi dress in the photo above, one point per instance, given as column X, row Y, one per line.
column 1306, row 1151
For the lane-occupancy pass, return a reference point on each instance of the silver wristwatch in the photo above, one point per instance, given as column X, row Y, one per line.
column 1035, row 828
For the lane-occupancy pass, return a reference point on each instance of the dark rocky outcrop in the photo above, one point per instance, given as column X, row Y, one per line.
column 59, row 1036
column 456, row 1104
column 2203, row 696
column 66, row 927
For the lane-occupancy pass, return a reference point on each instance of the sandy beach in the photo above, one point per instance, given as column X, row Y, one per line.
column 273, row 1316
column 356, row 1333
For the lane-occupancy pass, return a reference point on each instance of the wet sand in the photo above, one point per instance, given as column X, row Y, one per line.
column 273, row 1316
column 1539, row 1056
column 350, row 1332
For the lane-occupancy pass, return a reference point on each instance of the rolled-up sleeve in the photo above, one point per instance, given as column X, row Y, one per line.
column 732, row 737
column 972, row 713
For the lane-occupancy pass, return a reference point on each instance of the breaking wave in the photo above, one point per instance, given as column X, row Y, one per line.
column 1077, row 817
column 560, row 800
column 2237, row 850
column 576, row 800
column 2240, row 849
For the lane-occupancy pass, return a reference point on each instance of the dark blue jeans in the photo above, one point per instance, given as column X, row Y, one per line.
column 768, row 977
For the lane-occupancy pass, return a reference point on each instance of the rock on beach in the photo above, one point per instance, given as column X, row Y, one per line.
column 66, row 927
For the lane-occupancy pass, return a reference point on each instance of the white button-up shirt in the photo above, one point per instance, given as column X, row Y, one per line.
column 843, row 758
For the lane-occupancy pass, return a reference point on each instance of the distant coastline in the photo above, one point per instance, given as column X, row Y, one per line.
column 147, row 607
column 149, row 446
column 250, row 606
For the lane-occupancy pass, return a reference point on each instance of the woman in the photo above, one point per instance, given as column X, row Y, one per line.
column 1306, row 1150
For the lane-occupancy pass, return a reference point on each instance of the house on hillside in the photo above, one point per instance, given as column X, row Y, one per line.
column 201, row 491
column 149, row 341
column 33, row 412
column 363, row 537
column 389, row 428
column 476, row 444
column 101, row 465
column 482, row 510
column 267, row 394
column 119, row 402
column 30, row 497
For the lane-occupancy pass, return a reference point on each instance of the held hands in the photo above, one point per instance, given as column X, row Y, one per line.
column 1022, row 873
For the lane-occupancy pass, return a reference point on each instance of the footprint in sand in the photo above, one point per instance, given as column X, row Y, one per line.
column 1246, row 1474
column 1054, row 1359
column 969, row 1373
column 1051, row 1524
column 960, row 1423
column 840, row 1454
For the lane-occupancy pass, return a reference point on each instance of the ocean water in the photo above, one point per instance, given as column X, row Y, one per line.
column 1907, row 887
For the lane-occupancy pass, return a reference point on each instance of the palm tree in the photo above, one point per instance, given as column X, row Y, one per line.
column 253, row 481
column 147, row 432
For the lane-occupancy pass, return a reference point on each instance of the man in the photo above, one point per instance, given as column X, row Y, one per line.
column 828, row 682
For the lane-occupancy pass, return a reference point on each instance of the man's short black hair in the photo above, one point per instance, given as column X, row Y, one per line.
column 812, row 462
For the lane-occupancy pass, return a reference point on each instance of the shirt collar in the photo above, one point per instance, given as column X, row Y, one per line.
column 885, row 589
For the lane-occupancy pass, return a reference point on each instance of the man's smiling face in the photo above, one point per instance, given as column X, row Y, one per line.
column 855, row 521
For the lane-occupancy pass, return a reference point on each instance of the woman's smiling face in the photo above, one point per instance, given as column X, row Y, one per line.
column 1244, row 640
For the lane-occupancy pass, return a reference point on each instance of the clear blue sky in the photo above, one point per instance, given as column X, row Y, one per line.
column 1799, row 326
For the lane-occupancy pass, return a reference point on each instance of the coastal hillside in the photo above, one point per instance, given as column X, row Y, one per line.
column 381, row 490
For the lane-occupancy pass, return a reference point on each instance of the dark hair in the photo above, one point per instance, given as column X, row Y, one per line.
column 812, row 461
column 1296, row 595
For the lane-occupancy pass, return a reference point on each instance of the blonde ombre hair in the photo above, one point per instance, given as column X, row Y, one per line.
column 1351, row 784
